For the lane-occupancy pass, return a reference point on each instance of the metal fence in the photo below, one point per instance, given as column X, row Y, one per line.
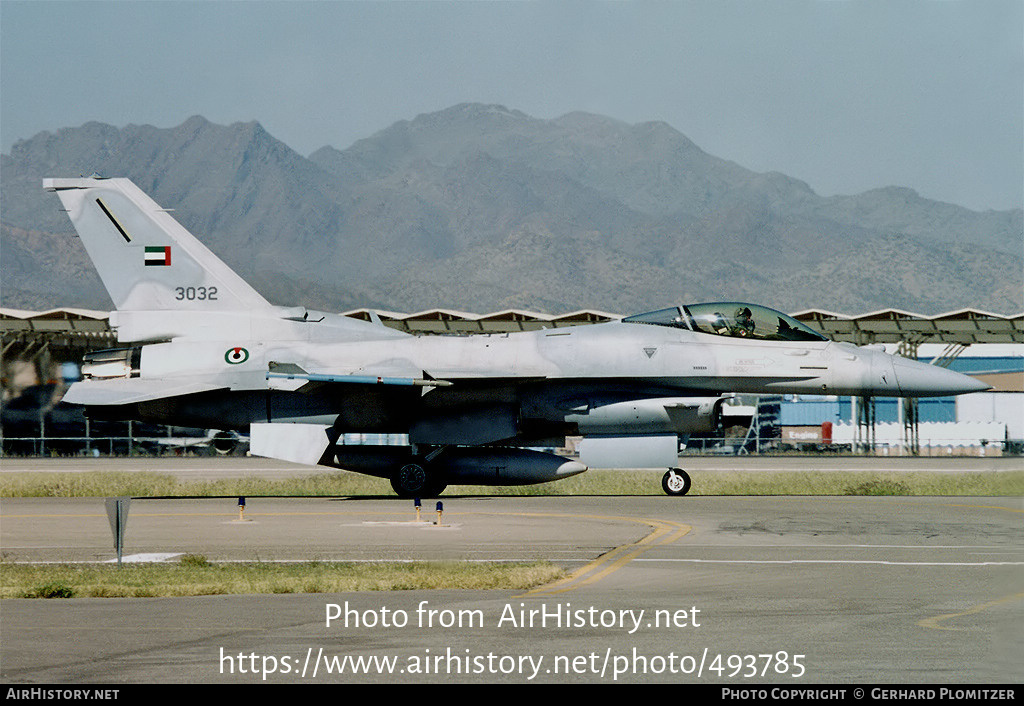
column 81, row 446
column 931, row 446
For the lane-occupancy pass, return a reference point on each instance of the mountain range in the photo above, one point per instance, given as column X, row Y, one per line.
column 482, row 208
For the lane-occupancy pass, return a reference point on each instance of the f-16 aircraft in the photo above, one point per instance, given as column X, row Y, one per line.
column 207, row 350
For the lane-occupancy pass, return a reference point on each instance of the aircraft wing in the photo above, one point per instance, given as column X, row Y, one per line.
column 132, row 391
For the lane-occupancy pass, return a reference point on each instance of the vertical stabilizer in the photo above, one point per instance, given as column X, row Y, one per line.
column 146, row 259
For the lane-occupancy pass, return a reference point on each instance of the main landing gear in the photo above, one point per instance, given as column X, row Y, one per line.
column 415, row 479
column 675, row 482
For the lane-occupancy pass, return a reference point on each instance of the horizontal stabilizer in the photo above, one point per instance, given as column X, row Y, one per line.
column 131, row 391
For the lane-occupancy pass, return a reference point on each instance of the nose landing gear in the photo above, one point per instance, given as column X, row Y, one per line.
column 675, row 482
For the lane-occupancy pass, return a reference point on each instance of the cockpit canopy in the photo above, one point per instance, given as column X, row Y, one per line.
column 731, row 319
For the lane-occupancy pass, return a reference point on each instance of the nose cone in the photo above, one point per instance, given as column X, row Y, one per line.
column 918, row 379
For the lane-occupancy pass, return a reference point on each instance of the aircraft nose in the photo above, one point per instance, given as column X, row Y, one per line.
column 918, row 379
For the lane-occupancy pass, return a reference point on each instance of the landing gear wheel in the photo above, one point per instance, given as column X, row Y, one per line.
column 675, row 482
column 415, row 480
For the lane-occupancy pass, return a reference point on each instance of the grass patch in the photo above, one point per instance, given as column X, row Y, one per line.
column 596, row 482
column 601, row 482
column 51, row 589
column 143, row 484
column 192, row 577
column 879, row 486
column 194, row 560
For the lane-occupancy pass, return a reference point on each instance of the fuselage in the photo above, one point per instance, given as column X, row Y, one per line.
column 227, row 379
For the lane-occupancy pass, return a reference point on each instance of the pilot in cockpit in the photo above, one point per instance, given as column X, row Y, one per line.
column 744, row 322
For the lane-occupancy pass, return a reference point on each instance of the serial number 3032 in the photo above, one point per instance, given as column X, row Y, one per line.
column 195, row 293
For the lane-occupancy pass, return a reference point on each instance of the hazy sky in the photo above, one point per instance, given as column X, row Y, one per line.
column 847, row 96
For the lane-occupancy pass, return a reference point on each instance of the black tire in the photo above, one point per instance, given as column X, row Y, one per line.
column 414, row 479
column 676, row 481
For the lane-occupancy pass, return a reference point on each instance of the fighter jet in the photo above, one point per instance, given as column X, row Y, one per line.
column 204, row 349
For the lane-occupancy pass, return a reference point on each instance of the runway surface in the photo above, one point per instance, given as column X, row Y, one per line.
column 722, row 590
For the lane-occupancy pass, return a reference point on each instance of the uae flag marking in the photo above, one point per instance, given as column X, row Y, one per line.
column 158, row 256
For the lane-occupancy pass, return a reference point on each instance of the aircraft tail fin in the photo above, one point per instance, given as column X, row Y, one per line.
column 146, row 259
